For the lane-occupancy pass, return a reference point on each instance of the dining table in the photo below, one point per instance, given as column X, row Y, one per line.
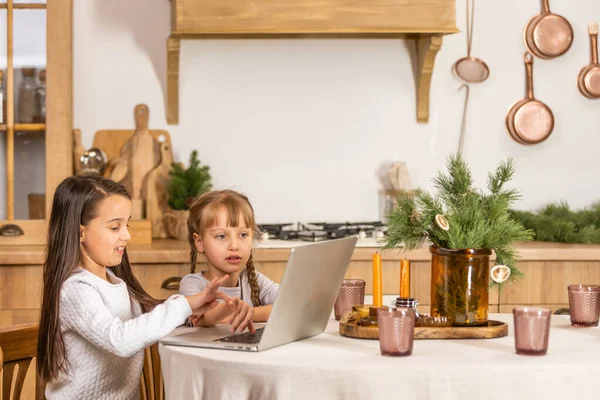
column 332, row 366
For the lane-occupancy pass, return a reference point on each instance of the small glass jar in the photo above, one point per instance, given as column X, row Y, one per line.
column 27, row 96
column 407, row 302
column 39, row 113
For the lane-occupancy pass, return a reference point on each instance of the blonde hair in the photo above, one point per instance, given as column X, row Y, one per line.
column 203, row 215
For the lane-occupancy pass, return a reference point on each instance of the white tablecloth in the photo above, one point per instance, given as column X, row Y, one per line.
column 330, row 366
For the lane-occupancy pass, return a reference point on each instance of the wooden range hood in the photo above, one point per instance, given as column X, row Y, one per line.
column 424, row 21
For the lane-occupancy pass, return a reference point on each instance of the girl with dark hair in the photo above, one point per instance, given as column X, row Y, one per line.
column 221, row 226
column 96, row 318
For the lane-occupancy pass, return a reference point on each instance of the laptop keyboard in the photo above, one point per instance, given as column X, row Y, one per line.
column 245, row 337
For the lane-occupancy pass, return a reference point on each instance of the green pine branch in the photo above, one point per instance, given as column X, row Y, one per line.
column 556, row 222
column 185, row 184
column 475, row 219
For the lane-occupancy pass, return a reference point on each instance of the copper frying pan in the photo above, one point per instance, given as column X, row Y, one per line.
column 511, row 112
column 529, row 121
column 588, row 79
column 548, row 35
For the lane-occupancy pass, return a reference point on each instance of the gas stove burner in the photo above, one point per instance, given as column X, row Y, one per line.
column 316, row 231
column 279, row 231
column 312, row 236
column 345, row 229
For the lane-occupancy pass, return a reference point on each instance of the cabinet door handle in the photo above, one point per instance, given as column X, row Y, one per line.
column 11, row 230
column 171, row 283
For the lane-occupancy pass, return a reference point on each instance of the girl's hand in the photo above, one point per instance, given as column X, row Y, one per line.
column 195, row 319
column 205, row 300
column 241, row 315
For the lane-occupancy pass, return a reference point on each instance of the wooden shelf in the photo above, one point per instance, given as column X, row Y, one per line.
column 24, row 6
column 25, row 127
column 425, row 22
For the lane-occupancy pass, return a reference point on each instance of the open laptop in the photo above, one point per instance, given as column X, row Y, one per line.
column 307, row 293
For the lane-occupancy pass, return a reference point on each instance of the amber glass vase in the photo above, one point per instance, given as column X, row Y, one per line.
column 460, row 285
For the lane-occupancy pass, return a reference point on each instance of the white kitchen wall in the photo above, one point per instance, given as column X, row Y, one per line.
column 306, row 127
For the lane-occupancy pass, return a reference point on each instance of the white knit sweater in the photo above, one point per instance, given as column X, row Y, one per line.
column 105, row 335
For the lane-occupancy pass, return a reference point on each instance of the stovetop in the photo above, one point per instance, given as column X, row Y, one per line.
column 317, row 231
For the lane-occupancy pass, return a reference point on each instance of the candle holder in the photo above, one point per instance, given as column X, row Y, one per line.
column 584, row 305
column 352, row 292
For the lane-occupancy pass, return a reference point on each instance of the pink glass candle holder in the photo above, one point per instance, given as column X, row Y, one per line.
column 396, row 331
column 532, row 327
column 584, row 305
column 351, row 292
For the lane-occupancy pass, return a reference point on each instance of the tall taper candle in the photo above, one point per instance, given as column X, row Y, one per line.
column 404, row 278
column 377, row 281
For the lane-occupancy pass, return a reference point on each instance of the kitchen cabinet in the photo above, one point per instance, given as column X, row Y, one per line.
column 42, row 151
column 425, row 22
column 548, row 268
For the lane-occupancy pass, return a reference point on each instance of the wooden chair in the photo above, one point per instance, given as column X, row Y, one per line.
column 151, row 383
column 19, row 345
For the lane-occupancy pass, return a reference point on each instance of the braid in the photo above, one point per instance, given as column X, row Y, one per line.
column 251, row 271
column 193, row 255
column 193, row 251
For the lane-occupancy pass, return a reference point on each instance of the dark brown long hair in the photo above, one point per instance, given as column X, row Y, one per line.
column 203, row 215
column 75, row 203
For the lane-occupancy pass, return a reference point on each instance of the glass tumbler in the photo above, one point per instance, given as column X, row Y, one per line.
column 532, row 327
column 396, row 331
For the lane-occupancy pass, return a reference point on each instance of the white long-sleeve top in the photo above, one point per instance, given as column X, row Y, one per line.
column 105, row 334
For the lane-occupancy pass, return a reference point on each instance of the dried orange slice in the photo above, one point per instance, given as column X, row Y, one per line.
column 442, row 222
column 500, row 273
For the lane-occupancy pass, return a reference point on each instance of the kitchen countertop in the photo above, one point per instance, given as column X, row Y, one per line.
column 174, row 251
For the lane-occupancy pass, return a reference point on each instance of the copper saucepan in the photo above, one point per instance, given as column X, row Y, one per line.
column 529, row 121
column 588, row 79
column 548, row 35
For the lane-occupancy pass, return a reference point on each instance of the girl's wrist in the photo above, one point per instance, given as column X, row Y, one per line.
column 192, row 300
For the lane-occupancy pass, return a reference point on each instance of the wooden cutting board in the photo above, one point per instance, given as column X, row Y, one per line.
column 156, row 192
column 111, row 140
column 141, row 155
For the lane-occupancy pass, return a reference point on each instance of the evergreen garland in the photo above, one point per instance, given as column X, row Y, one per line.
column 475, row 219
column 185, row 184
column 556, row 222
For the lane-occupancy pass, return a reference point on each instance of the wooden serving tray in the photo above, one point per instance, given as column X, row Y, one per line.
column 494, row 329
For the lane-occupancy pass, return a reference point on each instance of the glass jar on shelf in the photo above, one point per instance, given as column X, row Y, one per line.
column 27, row 96
column 39, row 114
